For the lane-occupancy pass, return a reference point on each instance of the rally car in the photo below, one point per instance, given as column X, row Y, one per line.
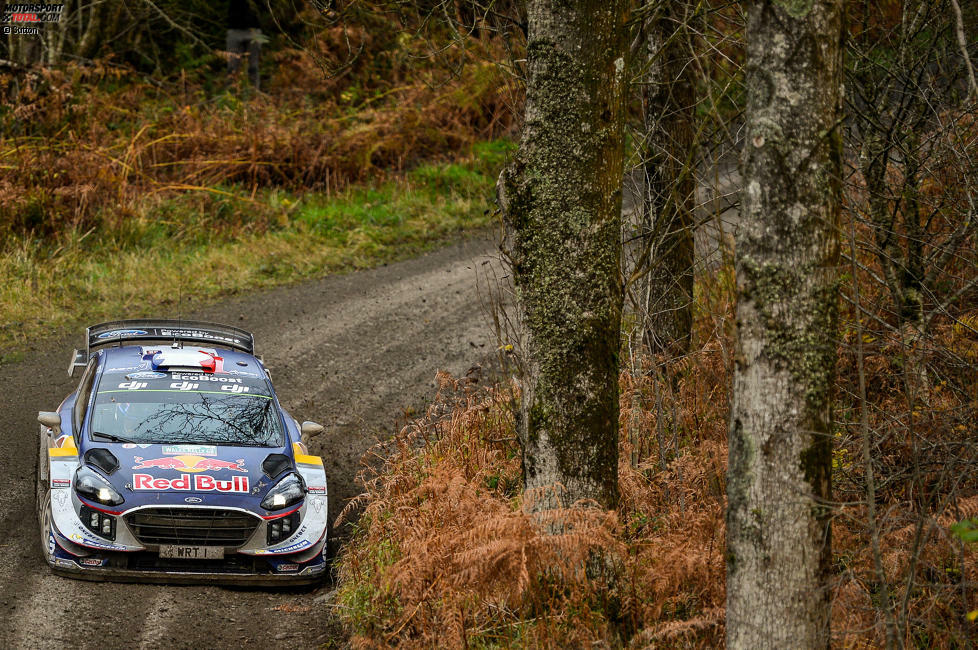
column 173, row 461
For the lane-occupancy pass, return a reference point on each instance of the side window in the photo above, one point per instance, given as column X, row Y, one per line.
column 84, row 395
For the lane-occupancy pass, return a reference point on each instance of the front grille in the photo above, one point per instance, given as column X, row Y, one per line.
column 192, row 526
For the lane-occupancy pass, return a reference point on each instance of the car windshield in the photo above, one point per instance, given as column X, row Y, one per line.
column 160, row 408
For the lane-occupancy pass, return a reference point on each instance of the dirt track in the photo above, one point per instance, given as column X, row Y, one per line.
column 350, row 352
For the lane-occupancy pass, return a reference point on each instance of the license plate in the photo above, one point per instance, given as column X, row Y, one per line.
column 192, row 552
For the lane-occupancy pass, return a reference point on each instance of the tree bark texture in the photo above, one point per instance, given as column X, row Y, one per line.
column 669, row 183
column 561, row 201
column 778, row 542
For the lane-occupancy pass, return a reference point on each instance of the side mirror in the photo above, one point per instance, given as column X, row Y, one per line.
column 310, row 428
column 51, row 420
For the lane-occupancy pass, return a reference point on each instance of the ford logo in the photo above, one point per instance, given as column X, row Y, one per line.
column 146, row 375
column 193, row 500
column 121, row 333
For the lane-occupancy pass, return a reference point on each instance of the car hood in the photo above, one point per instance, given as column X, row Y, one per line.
column 191, row 474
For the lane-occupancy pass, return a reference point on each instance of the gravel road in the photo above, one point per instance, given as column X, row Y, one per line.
column 351, row 352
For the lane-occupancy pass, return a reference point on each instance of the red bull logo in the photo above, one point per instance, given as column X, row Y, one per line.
column 187, row 463
column 188, row 482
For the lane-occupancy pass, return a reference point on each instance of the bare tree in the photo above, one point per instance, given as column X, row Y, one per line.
column 561, row 200
column 667, row 151
column 778, row 546
column 911, row 118
column 913, row 183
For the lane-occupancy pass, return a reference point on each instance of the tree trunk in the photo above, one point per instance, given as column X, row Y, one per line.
column 778, row 544
column 91, row 32
column 669, row 183
column 561, row 201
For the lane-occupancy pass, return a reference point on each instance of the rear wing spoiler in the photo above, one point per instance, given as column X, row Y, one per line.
column 142, row 329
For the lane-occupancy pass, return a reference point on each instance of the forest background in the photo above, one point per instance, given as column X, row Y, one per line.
column 130, row 166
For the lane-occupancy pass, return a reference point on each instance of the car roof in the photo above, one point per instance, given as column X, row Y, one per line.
column 138, row 357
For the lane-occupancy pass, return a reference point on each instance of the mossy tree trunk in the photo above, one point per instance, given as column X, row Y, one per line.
column 778, row 542
column 669, row 182
column 561, row 201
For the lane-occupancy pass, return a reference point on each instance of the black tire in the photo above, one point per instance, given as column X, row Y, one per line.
column 44, row 529
column 42, row 500
column 40, row 476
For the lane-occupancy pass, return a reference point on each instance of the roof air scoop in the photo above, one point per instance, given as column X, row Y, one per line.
column 184, row 359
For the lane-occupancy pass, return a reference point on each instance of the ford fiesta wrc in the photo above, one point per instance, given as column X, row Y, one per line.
column 173, row 461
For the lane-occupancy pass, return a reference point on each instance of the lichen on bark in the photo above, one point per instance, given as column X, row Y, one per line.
column 561, row 202
column 787, row 254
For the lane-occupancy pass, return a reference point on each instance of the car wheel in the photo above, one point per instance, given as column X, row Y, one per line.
column 44, row 528
column 41, row 480
column 331, row 548
column 42, row 502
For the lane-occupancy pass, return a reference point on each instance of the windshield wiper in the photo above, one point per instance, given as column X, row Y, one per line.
column 112, row 437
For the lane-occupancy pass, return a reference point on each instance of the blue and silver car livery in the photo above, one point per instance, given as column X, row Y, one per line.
column 173, row 461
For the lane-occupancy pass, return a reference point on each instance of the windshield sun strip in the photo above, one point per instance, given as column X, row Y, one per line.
column 185, row 392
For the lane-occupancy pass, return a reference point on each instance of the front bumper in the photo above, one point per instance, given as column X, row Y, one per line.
column 74, row 561
column 161, row 577
column 117, row 569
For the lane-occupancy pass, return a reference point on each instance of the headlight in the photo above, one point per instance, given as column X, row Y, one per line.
column 91, row 485
column 289, row 490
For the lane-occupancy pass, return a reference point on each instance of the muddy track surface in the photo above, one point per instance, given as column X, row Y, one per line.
column 351, row 352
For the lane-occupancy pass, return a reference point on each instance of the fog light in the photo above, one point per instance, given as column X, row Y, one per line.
column 282, row 528
column 100, row 523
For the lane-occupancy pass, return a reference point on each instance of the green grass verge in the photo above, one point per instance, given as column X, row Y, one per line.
column 175, row 252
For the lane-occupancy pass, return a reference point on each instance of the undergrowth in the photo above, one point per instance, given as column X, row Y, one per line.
column 444, row 556
column 84, row 146
column 463, row 566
